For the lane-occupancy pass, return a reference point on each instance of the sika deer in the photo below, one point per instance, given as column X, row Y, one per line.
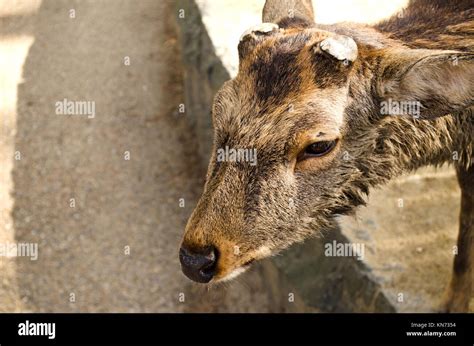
column 312, row 100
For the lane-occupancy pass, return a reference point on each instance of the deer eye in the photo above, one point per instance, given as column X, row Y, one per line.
column 317, row 149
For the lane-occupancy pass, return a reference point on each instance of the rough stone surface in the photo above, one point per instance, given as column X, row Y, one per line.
column 409, row 229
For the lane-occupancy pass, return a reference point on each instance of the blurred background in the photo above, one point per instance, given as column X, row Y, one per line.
column 106, row 198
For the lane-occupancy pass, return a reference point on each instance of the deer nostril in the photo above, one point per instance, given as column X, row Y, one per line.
column 198, row 264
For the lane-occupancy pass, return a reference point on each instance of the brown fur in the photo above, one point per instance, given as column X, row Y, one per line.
column 289, row 93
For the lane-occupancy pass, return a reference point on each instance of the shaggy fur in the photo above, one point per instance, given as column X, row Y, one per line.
column 289, row 93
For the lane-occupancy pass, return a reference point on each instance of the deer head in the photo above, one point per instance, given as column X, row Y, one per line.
column 309, row 104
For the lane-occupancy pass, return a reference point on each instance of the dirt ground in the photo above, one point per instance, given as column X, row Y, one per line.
column 100, row 196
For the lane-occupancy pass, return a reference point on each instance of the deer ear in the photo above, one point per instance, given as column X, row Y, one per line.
column 429, row 83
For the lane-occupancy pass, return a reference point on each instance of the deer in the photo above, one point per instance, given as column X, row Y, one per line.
column 310, row 99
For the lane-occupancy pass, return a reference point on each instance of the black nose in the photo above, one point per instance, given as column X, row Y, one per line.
column 199, row 264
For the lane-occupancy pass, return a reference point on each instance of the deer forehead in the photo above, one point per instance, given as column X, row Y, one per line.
column 318, row 112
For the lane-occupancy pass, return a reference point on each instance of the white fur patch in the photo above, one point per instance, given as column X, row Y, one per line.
column 263, row 251
column 233, row 274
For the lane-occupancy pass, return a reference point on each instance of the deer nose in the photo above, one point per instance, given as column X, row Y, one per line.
column 198, row 264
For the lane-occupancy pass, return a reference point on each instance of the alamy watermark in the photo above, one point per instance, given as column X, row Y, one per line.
column 394, row 107
column 237, row 155
column 336, row 249
column 19, row 250
column 28, row 328
column 68, row 107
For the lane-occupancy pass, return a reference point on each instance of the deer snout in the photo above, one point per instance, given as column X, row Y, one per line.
column 198, row 264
